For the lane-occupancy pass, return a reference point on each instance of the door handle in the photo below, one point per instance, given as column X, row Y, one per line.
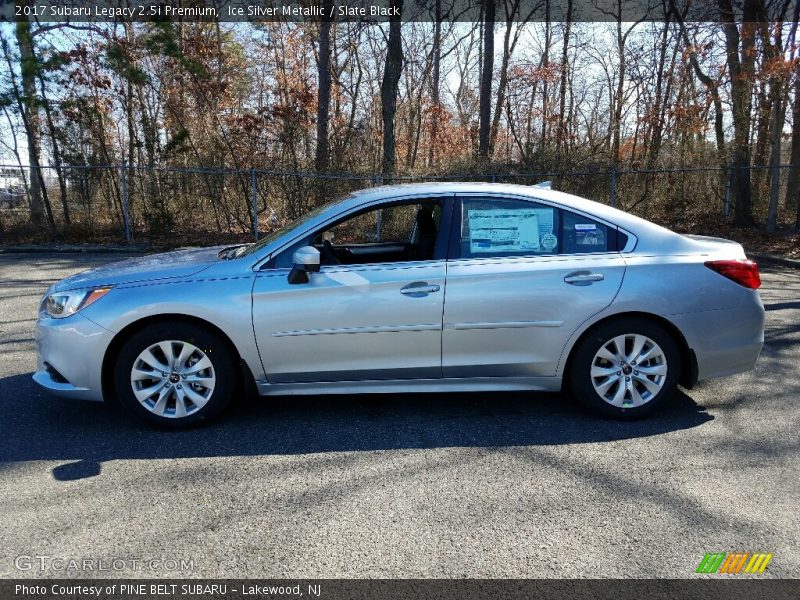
column 418, row 289
column 583, row 278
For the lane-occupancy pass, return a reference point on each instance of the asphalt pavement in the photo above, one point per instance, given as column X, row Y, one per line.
column 457, row 485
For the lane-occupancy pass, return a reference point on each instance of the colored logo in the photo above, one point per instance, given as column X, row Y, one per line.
column 734, row 562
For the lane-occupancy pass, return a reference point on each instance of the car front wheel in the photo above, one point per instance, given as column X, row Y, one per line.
column 174, row 375
column 625, row 369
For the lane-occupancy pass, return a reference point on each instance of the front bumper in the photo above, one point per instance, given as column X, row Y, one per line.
column 69, row 356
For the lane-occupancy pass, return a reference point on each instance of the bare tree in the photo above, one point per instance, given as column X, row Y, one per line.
column 510, row 41
column 391, row 77
column 323, row 90
column 62, row 184
column 741, row 53
column 562, row 88
column 485, row 110
column 28, row 106
column 436, row 101
column 779, row 82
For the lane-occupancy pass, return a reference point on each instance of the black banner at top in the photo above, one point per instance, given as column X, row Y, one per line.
column 116, row 11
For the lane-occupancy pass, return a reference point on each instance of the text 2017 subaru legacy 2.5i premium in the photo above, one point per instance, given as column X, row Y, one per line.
column 424, row 287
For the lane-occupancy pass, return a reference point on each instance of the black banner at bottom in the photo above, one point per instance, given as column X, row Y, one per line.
column 389, row 589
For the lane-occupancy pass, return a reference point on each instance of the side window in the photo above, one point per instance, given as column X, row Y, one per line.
column 395, row 233
column 361, row 229
column 506, row 227
column 581, row 235
column 395, row 224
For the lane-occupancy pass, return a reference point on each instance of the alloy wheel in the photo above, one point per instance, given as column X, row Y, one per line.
column 629, row 370
column 173, row 379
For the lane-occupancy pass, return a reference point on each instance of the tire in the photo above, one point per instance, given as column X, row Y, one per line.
column 195, row 388
column 616, row 385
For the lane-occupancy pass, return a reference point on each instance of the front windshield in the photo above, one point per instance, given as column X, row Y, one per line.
column 274, row 235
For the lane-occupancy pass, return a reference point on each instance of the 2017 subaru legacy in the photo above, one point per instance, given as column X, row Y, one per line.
column 424, row 287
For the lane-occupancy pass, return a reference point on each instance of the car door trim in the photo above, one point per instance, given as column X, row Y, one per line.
column 501, row 325
column 365, row 329
column 445, row 384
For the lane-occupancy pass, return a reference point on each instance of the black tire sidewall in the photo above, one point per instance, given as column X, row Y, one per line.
column 213, row 347
column 581, row 386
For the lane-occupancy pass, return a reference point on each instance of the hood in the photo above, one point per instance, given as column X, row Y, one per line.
column 168, row 265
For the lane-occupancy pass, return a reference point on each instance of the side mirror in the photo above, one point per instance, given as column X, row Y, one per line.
column 306, row 260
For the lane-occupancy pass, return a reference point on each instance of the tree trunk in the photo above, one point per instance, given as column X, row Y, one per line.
column 741, row 70
column 391, row 77
column 765, row 101
column 509, row 44
column 711, row 86
column 485, row 104
column 616, row 124
column 562, row 88
column 656, row 122
column 29, row 109
column 793, row 183
column 793, row 179
column 778, row 119
column 435, row 84
column 792, row 198
column 545, row 83
column 323, row 91
column 778, row 96
column 15, row 151
column 62, row 184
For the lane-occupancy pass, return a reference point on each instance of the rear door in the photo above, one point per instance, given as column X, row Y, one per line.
column 521, row 278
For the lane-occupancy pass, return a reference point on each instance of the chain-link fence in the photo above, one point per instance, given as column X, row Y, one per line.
column 175, row 206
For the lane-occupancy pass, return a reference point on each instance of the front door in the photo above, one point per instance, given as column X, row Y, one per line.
column 358, row 319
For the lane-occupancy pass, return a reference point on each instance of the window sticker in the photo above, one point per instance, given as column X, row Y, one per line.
column 590, row 237
column 585, row 227
column 549, row 241
column 545, row 217
column 503, row 230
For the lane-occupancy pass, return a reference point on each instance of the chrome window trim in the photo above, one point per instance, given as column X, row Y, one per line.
column 524, row 259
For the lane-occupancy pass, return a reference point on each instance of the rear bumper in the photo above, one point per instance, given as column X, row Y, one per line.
column 725, row 341
column 69, row 357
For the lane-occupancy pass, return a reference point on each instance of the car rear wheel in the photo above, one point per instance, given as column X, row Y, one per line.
column 625, row 369
column 174, row 375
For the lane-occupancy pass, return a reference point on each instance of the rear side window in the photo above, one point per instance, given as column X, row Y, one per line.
column 511, row 227
column 581, row 235
column 495, row 227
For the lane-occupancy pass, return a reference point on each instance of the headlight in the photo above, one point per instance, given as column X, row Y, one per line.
column 64, row 304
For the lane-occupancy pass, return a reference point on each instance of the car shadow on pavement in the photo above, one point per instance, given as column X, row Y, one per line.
column 87, row 434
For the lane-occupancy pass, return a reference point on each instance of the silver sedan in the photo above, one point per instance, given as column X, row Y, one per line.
column 425, row 287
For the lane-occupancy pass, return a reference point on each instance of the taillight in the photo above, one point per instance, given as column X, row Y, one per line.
column 742, row 271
